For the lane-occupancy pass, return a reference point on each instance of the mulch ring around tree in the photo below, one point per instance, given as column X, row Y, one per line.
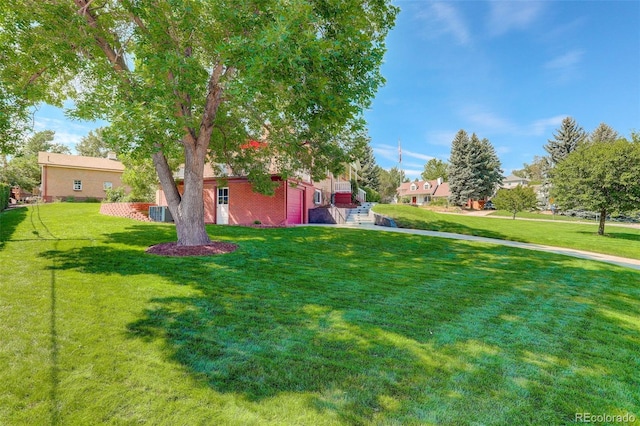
column 174, row 250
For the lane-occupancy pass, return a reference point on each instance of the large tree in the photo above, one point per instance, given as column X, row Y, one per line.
column 434, row 169
column 566, row 140
column 602, row 177
column 474, row 169
column 537, row 171
column 196, row 80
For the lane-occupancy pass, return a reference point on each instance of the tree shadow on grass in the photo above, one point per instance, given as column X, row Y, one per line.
column 9, row 221
column 452, row 227
column 614, row 234
column 371, row 332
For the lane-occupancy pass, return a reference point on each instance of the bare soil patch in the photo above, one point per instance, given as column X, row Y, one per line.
column 174, row 250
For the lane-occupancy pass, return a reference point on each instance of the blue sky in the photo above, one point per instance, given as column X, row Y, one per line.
column 509, row 71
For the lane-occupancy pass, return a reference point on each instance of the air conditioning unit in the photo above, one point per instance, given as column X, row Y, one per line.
column 160, row 214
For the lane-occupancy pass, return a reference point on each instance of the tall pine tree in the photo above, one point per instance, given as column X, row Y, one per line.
column 474, row 169
column 566, row 140
column 369, row 172
column 460, row 175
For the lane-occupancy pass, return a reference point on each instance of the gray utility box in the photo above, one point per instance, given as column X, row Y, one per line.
column 160, row 214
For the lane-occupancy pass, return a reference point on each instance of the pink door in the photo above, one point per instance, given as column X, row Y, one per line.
column 294, row 206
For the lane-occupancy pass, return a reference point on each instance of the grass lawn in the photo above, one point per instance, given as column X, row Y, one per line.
column 618, row 241
column 304, row 326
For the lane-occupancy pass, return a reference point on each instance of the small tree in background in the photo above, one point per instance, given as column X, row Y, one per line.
column 93, row 145
column 602, row 177
column 435, row 169
column 516, row 199
column 603, row 133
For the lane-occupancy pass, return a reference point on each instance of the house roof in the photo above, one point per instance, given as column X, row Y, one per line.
column 78, row 162
column 442, row 190
column 405, row 187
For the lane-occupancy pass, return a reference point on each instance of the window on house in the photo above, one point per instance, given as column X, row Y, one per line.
column 107, row 185
column 427, row 186
column 77, row 185
column 317, row 197
column 413, row 187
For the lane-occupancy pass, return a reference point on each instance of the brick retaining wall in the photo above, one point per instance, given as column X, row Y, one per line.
column 137, row 211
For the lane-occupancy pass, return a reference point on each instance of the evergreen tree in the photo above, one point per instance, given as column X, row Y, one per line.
column 566, row 140
column 93, row 145
column 489, row 170
column 604, row 133
column 369, row 174
column 460, row 174
column 474, row 169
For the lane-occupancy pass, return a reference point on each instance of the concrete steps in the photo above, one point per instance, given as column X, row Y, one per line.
column 360, row 216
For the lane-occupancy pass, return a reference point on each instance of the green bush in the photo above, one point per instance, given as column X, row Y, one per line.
column 5, row 193
column 115, row 195
column 440, row 202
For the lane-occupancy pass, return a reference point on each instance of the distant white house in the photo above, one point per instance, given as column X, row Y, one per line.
column 512, row 181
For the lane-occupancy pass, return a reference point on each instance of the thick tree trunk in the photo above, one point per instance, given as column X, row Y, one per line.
column 187, row 209
column 603, row 218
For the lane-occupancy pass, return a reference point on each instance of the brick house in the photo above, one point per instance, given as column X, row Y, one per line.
column 231, row 200
column 78, row 177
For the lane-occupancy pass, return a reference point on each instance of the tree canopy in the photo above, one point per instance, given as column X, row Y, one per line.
column 601, row 177
column 22, row 169
column 195, row 80
column 434, row 169
column 516, row 199
column 93, row 145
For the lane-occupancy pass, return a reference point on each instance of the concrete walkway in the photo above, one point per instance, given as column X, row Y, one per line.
column 620, row 261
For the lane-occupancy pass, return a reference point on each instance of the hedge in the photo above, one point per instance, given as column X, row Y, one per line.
column 5, row 193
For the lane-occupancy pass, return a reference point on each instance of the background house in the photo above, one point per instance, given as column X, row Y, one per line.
column 422, row 192
column 77, row 177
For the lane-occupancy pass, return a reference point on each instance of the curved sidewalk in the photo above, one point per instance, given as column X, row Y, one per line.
column 616, row 260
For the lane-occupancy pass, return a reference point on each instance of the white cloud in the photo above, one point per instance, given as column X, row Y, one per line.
column 512, row 15
column 541, row 126
column 567, row 61
column 444, row 19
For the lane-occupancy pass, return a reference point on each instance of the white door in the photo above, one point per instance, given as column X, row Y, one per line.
column 222, row 206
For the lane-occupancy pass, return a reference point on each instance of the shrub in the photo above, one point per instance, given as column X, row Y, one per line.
column 115, row 195
column 5, row 193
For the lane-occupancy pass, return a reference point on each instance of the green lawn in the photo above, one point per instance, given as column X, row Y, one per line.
column 618, row 241
column 304, row 326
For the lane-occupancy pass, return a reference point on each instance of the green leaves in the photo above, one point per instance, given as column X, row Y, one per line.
column 599, row 176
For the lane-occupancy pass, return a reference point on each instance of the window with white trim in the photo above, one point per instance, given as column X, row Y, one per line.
column 413, row 187
column 427, row 186
column 77, row 185
column 317, row 197
column 107, row 185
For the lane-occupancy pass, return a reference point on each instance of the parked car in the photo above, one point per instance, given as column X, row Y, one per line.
column 489, row 206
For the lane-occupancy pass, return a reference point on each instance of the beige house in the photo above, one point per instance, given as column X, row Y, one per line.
column 74, row 176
